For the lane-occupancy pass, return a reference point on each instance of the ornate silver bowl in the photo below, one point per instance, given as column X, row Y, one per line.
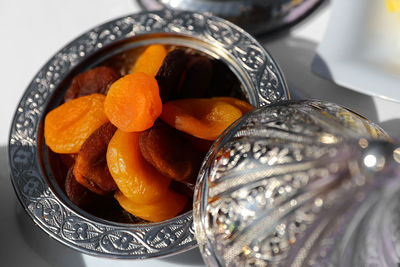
column 33, row 180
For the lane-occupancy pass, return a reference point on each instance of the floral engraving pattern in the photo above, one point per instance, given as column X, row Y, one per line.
column 287, row 174
column 47, row 210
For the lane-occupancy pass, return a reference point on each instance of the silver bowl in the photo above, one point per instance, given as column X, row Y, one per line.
column 31, row 175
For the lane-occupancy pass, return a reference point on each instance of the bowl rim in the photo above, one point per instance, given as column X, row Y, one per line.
column 41, row 202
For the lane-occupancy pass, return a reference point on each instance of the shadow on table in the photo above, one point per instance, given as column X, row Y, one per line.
column 22, row 242
column 392, row 127
column 188, row 258
column 50, row 250
column 295, row 56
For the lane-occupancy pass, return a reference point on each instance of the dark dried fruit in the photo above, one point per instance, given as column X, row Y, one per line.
column 202, row 145
column 198, row 77
column 102, row 206
column 185, row 188
column 96, row 80
column 91, row 165
column 224, row 82
column 172, row 155
column 77, row 193
column 67, row 159
column 170, row 72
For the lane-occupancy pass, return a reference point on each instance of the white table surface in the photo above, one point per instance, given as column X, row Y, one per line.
column 32, row 31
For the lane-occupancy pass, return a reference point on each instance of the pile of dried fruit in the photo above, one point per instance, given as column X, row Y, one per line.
column 141, row 137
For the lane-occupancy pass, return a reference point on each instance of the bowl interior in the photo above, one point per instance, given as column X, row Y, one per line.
column 121, row 56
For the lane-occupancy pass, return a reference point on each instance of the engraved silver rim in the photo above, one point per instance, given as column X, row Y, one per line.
column 89, row 234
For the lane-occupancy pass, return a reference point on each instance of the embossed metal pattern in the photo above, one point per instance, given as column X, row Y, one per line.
column 277, row 179
column 94, row 236
column 255, row 16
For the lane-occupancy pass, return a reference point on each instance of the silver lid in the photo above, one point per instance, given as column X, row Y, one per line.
column 291, row 185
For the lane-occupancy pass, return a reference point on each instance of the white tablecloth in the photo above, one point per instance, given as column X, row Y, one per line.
column 32, row 31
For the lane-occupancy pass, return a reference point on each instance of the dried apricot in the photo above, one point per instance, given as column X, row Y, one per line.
column 91, row 165
column 67, row 159
column 96, row 80
column 77, row 193
column 170, row 73
column 68, row 126
column 185, row 188
column 198, row 77
column 200, row 144
column 134, row 176
column 240, row 104
column 171, row 154
column 224, row 82
column 166, row 208
column 202, row 118
column 133, row 102
column 150, row 60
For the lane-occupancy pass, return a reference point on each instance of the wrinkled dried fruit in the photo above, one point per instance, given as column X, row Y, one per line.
column 185, row 188
column 91, row 165
column 240, row 104
column 197, row 77
column 68, row 126
column 200, row 144
column 133, row 102
column 224, row 82
column 170, row 72
column 77, row 193
column 167, row 151
column 134, row 176
column 203, row 118
column 150, row 60
column 102, row 206
column 96, row 80
column 166, row 208
column 67, row 159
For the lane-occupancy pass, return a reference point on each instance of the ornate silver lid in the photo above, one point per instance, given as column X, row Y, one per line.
column 299, row 184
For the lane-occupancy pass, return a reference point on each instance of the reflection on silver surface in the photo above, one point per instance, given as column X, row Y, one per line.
column 255, row 16
column 299, row 184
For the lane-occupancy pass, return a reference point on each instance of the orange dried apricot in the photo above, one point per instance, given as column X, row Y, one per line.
column 172, row 155
column 240, row 104
column 150, row 60
column 202, row 118
column 96, row 80
column 133, row 102
column 137, row 179
column 91, row 166
column 68, row 126
column 166, row 208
